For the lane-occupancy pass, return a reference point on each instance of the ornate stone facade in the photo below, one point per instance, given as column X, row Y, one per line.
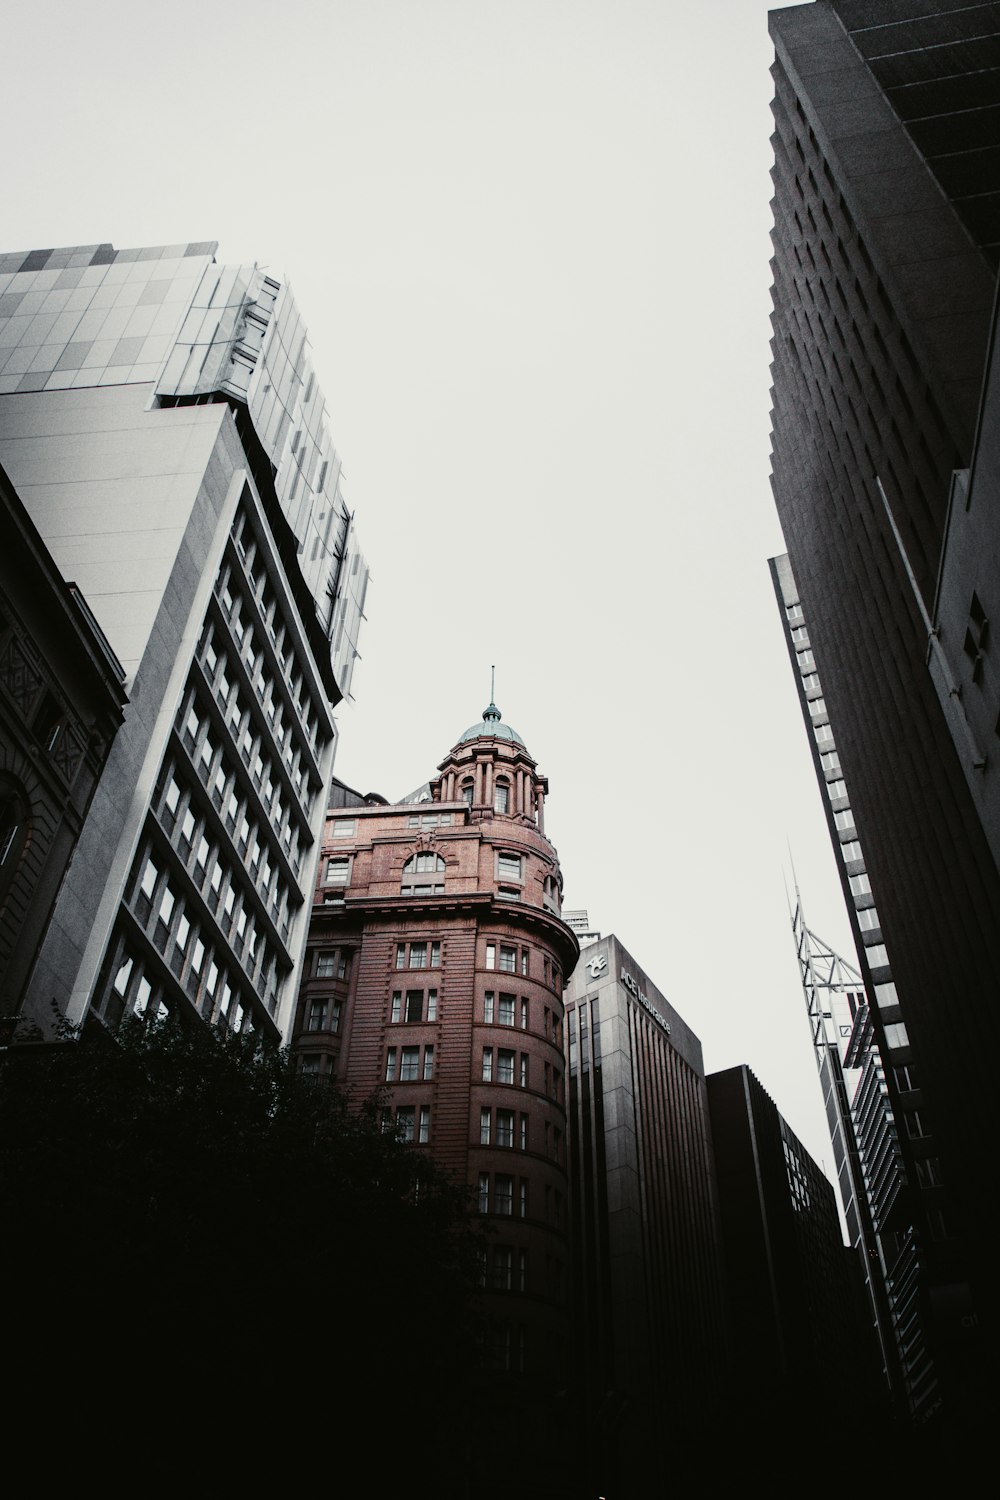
column 435, row 971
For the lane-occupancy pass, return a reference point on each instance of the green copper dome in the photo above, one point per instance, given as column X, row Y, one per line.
column 491, row 725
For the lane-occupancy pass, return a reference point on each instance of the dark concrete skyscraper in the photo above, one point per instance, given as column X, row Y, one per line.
column 886, row 238
column 646, row 1252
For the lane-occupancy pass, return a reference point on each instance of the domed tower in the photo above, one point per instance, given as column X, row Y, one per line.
column 437, row 962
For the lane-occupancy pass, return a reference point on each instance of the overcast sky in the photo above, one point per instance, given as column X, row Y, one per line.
column 530, row 242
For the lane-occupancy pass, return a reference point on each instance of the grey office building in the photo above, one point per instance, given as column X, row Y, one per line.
column 162, row 424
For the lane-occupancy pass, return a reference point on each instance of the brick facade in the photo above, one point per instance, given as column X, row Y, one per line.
column 435, row 971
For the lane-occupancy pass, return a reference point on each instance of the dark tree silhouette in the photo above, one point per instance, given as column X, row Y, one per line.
column 209, row 1259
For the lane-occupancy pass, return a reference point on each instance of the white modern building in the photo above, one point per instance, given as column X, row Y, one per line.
column 161, row 422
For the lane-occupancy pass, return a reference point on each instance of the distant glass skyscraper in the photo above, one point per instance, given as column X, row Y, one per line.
column 162, row 424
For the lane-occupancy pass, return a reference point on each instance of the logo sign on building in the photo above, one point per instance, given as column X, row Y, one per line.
column 632, row 986
column 596, row 966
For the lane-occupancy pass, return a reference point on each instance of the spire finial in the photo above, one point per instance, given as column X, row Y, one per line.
column 492, row 713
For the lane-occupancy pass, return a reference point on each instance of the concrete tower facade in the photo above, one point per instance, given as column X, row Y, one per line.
column 886, row 196
column 162, row 424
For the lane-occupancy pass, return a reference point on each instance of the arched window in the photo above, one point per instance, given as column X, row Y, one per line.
column 422, row 875
column 467, row 793
column 501, row 796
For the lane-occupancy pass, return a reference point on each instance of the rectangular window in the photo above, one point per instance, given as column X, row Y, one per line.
column 428, row 1064
column 425, row 1124
column 886, row 996
column 397, row 1006
column 409, row 1065
column 524, row 1014
column 484, row 1192
column 338, row 870
column 400, row 955
column 488, row 1008
column 405, row 1122
column 505, row 1127
column 850, row 851
column 149, row 877
column 905, row 1080
column 505, row 1066
column 435, row 955
column 503, row 1258
column 836, row 789
column 491, row 955
column 418, row 955
column 508, row 867
column 929, row 1172
column 326, row 964
column 524, row 1070
column 524, row 962
column 390, row 1065
column 344, row 828
column 503, row 1195
column 487, row 1064
column 173, row 795
column 860, row 885
column 317, row 1016
column 484, row 1127
column 868, row 919
column 414, row 1005
column 524, row 1197
column 432, row 1005
column 508, row 960
column 505, row 1010
column 524, row 1132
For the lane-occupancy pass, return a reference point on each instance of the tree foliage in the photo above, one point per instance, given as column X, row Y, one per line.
column 198, row 1236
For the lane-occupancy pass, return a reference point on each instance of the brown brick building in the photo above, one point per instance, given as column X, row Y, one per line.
column 436, row 963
